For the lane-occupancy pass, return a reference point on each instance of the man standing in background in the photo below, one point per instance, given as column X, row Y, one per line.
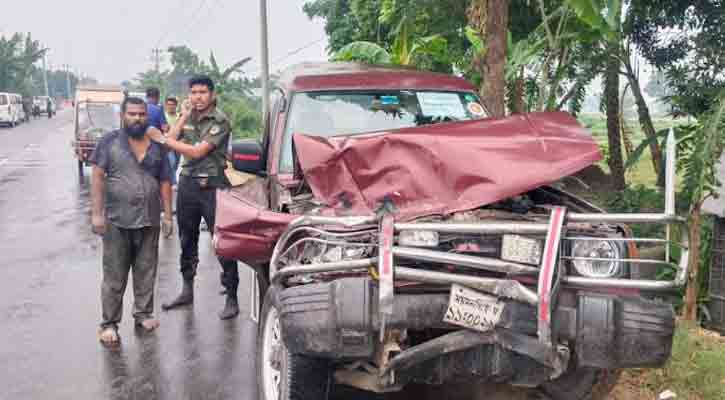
column 170, row 107
column 156, row 116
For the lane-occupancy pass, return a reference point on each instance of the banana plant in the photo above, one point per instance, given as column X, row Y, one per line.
column 700, row 182
column 222, row 76
column 406, row 49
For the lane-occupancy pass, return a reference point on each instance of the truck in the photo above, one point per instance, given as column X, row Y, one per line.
column 97, row 112
column 400, row 236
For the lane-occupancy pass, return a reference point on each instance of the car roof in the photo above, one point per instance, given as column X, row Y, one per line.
column 355, row 76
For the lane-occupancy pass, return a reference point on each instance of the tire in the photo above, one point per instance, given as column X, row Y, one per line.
column 295, row 377
column 582, row 384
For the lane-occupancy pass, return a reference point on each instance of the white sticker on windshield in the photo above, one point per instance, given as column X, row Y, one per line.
column 437, row 104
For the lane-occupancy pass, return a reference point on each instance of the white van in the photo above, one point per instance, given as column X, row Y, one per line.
column 11, row 109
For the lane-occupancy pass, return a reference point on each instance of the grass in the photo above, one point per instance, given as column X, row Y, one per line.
column 642, row 172
column 696, row 370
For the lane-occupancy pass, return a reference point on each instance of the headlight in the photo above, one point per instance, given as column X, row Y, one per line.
column 597, row 258
column 418, row 238
column 339, row 253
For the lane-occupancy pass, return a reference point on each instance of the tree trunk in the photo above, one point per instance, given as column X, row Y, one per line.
column 693, row 281
column 611, row 93
column 493, row 91
column 645, row 121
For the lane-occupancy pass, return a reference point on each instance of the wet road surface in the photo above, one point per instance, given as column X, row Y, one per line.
column 50, row 272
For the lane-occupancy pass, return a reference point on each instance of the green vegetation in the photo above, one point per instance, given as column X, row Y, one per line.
column 641, row 172
column 696, row 370
column 233, row 88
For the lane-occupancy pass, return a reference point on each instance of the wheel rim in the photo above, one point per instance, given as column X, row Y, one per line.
column 272, row 356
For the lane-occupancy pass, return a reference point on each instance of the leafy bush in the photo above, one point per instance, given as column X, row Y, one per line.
column 244, row 114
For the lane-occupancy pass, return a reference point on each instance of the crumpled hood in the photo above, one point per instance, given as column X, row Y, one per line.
column 444, row 168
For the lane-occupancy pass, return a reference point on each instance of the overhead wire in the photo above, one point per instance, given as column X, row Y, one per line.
column 289, row 54
column 192, row 27
column 193, row 18
column 167, row 28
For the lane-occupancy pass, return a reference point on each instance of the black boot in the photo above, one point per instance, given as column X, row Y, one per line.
column 231, row 308
column 185, row 297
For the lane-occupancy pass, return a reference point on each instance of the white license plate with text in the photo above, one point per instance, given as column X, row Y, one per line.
column 473, row 310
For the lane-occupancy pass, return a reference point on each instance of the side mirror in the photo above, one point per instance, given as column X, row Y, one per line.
column 247, row 157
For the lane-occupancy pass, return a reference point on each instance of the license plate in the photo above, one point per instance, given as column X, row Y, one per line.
column 521, row 249
column 473, row 310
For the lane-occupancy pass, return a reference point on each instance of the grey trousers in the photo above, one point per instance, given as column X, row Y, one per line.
column 124, row 250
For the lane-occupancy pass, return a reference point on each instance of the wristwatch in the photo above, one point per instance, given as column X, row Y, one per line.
column 162, row 140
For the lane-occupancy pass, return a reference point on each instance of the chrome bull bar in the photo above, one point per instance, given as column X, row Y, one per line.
column 493, row 265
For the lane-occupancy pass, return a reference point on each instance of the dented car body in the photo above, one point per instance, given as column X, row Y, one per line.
column 438, row 250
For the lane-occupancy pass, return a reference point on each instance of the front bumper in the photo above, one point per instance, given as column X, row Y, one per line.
column 340, row 320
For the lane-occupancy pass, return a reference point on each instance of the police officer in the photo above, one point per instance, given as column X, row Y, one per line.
column 201, row 135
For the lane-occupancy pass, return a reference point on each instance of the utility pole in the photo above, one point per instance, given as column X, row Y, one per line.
column 67, row 81
column 264, row 58
column 45, row 74
column 156, row 57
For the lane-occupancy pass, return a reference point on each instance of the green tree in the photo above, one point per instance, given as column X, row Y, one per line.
column 18, row 54
column 429, row 34
column 224, row 79
column 683, row 39
column 658, row 85
column 406, row 50
column 232, row 87
column 152, row 78
column 184, row 64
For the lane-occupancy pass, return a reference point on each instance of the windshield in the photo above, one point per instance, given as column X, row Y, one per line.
column 97, row 119
column 346, row 113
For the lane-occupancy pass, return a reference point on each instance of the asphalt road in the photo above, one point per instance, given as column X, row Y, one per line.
column 50, row 272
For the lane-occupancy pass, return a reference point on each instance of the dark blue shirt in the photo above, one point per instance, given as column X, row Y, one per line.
column 156, row 117
column 132, row 188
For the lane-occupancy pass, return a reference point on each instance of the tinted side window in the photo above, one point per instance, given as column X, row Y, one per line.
column 3, row 99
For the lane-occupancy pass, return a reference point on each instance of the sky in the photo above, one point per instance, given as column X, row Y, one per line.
column 113, row 40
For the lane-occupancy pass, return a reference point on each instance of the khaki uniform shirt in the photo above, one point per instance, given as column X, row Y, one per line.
column 214, row 129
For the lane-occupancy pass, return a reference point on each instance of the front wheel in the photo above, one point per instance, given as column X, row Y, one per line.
column 281, row 375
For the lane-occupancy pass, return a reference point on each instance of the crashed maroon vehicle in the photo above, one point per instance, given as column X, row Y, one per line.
column 405, row 238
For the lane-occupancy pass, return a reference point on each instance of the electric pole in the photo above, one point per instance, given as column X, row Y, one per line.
column 45, row 74
column 265, row 58
column 67, row 81
column 156, row 57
